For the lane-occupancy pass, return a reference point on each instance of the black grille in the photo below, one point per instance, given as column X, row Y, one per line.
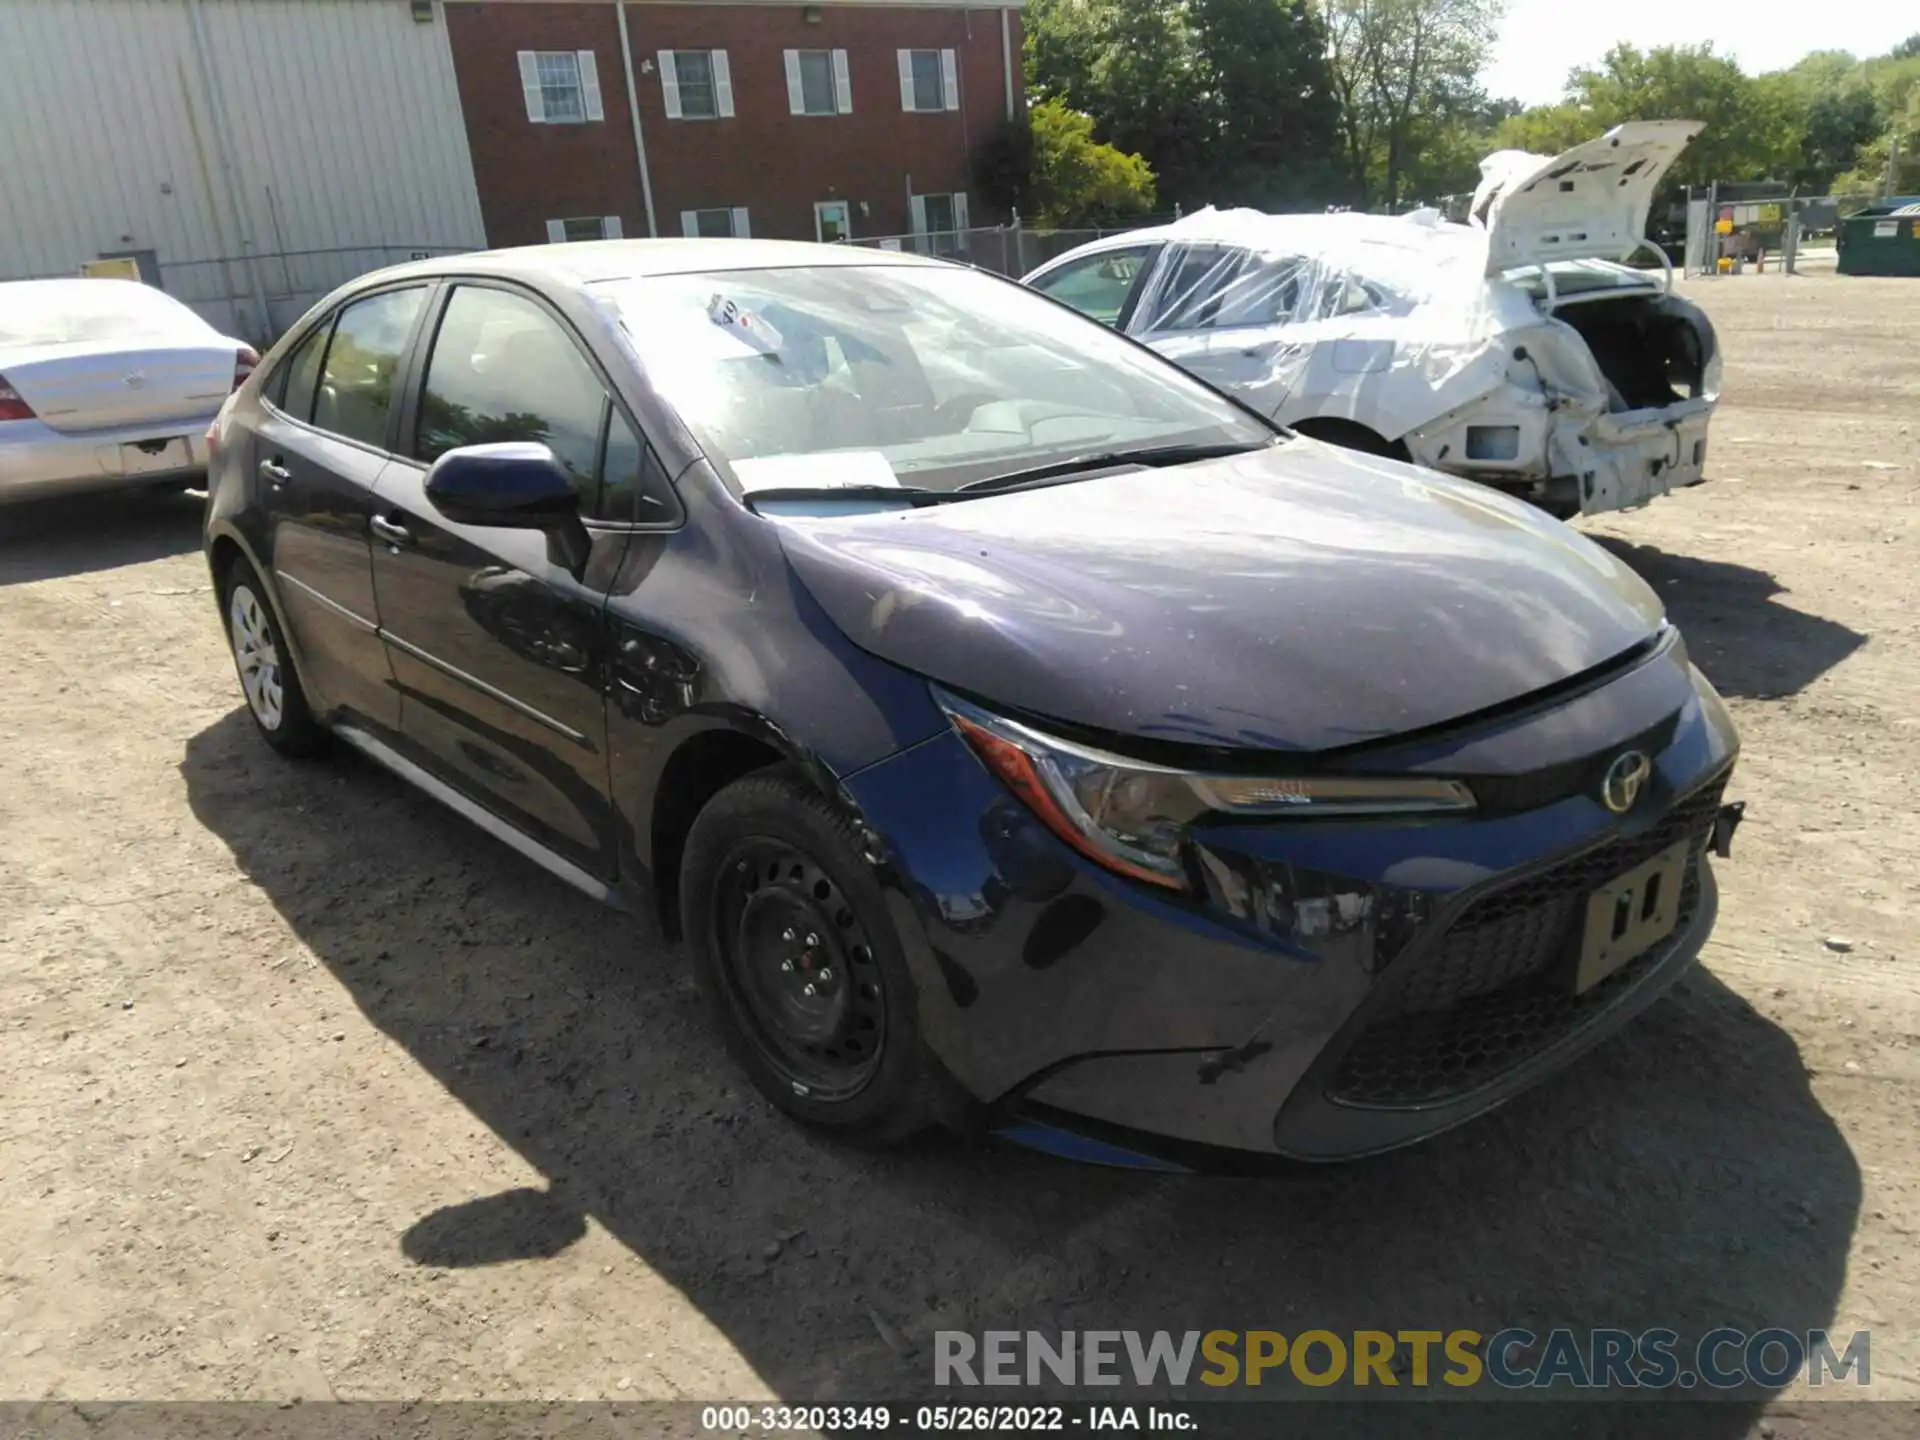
column 1504, row 794
column 1492, row 993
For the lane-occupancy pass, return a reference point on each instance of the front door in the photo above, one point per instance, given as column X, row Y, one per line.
column 832, row 220
column 318, row 451
column 498, row 648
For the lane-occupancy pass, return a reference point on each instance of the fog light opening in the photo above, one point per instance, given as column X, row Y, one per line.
column 1493, row 442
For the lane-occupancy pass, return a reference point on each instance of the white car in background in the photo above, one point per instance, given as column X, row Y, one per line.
column 107, row 384
column 1517, row 350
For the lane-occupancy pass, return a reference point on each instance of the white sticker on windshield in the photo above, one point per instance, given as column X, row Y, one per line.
column 736, row 320
column 827, row 470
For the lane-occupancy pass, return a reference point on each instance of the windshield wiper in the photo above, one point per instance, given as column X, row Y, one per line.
column 913, row 494
column 1053, row 471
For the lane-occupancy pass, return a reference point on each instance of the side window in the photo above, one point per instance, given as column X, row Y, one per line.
column 1099, row 285
column 356, row 383
column 633, row 484
column 1350, row 295
column 1265, row 290
column 503, row 369
column 292, row 388
column 1190, row 290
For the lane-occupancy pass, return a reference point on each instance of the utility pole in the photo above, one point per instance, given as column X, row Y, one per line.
column 1893, row 163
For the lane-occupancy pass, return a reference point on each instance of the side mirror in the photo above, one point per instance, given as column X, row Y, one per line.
column 515, row 485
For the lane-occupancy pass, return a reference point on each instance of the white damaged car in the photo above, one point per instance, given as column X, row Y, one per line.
column 1518, row 350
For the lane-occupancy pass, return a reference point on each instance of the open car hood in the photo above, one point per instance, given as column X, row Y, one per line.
column 1587, row 204
column 1300, row 598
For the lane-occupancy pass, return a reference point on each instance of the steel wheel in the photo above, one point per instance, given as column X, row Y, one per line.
column 799, row 970
column 256, row 656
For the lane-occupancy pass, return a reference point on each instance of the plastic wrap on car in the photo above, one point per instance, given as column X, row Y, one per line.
column 1266, row 286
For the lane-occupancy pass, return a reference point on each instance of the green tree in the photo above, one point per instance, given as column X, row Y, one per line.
column 1751, row 131
column 1276, row 120
column 1839, row 121
column 1870, row 172
column 1076, row 180
column 1447, row 151
column 1829, row 120
column 1548, row 129
column 1227, row 100
column 1403, row 71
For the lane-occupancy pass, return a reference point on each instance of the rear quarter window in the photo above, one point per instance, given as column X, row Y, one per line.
column 292, row 385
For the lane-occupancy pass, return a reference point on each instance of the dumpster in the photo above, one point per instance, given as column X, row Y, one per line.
column 1882, row 239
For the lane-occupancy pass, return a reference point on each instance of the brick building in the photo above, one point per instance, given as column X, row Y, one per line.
column 707, row 117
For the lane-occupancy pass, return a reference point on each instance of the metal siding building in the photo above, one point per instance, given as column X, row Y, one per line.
column 263, row 151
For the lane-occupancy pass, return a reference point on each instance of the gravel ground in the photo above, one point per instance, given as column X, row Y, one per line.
column 316, row 1092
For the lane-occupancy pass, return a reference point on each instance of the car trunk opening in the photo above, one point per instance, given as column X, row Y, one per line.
column 1653, row 350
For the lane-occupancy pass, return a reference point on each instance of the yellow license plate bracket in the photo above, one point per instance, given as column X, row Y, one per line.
column 1630, row 913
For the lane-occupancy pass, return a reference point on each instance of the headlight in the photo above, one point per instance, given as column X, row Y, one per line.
column 1132, row 816
column 1710, row 376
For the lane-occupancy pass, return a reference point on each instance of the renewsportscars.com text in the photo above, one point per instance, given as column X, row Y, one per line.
column 1601, row 1359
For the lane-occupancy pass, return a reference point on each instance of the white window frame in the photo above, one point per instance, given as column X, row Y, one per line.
column 842, row 83
column 670, row 85
column 586, row 75
column 949, row 82
column 736, row 219
column 820, row 207
column 557, row 229
column 940, row 242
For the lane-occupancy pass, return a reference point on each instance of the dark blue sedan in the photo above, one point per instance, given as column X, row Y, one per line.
column 1018, row 733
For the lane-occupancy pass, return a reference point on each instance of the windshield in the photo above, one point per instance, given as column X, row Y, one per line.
column 924, row 377
column 64, row 312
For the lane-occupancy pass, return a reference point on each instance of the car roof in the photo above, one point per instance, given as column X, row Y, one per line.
column 586, row 262
column 1318, row 233
column 77, row 284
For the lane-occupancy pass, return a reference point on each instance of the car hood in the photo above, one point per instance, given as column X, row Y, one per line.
column 1589, row 203
column 1296, row 598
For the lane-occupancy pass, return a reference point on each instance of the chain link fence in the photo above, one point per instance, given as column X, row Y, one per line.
column 1734, row 229
column 258, row 296
column 1010, row 250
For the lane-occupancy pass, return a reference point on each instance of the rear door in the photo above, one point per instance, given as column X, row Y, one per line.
column 327, row 417
column 1225, row 314
column 499, row 649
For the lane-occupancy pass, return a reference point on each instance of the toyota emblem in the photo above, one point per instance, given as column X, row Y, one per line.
column 1621, row 785
column 135, row 380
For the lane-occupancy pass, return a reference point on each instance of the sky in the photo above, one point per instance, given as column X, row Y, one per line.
column 1540, row 40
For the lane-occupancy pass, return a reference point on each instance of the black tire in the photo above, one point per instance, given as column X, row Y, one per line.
column 1351, row 435
column 288, row 725
column 770, row 857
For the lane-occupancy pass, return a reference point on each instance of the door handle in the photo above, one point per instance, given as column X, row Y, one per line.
column 394, row 534
column 274, row 473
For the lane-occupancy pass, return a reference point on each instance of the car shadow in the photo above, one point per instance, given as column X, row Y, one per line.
column 78, row 534
column 1683, row 1176
column 1742, row 636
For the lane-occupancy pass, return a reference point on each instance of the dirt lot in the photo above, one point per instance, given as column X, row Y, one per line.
column 314, row 1091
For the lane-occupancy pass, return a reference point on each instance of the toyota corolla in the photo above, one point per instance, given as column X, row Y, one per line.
column 1015, row 731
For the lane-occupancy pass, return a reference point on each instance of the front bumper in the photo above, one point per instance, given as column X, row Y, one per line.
column 1261, row 1016
column 36, row 460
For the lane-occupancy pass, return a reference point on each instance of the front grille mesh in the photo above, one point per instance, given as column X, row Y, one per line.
column 1492, row 993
